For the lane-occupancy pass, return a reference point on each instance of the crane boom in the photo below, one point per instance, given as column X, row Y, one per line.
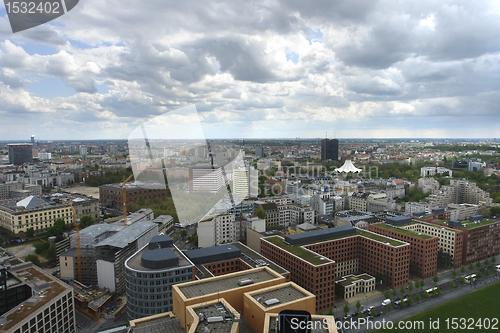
column 78, row 251
column 124, row 195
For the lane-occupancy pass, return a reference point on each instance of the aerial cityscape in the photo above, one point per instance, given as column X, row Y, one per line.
column 264, row 166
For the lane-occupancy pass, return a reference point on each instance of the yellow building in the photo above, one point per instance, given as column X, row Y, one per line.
column 230, row 287
column 33, row 212
column 286, row 296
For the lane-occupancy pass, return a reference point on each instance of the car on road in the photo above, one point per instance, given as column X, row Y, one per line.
column 386, row 301
column 369, row 317
column 397, row 301
column 371, row 308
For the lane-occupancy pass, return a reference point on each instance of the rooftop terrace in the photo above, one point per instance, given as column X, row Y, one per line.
column 469, row 224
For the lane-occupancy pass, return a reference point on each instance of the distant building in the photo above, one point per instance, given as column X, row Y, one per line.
column 259, row 152
column 432, row 171
column 216, row 230
column 111, row 195
column 329, row 150
column 20, row 153
column 204, row 177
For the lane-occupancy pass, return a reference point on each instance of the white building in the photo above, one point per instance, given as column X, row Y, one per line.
column 217, row 230
column 432, row 171
column 206, row 177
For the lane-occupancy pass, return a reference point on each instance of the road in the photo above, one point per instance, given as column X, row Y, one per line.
column 399, row 313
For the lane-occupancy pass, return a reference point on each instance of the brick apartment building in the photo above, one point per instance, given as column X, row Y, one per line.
column 312, row 258
column 111, row 195
column 423, row 249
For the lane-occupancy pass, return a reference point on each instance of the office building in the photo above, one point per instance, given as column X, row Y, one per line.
column 206, row 178
column 111, row 195
column 216, row 230
column 241, row 183
column 150, row 274
column 259, row 152
column 329, row 150
column 423, row 249
column 229, row 258
column 335, row 252
column 48, row 308
column 20, row 153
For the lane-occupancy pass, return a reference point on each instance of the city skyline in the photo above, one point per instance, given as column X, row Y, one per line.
column 256, row 70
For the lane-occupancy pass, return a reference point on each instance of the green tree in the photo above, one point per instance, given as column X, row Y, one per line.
column 388, row 307
column 438, row 290
column 462, row 269
column 494, row 258
column 361, row 316
column 86, row 221
column 402, row 291
column 422, row 284
column 495, row 269
column 33, row 258
column 358, row 305
column 435, row 279
column 373, row 312
column 454, row 273
column 387, row 294
column 471, row 267
column 30, row 232
column 417, row 284
column 410, row 287
column 261, row 213
column 410, row 301
column 471, row 279
column 394, row 292
column 346, row 309
column 487, row 272
column 418, row 298
column 41, row 247
column 426, row 295
column 330, row 312
column 452, row 284
column 478, row 265
column 486, row 262
column 184, row 233
column 403, row 303
column 479, row 275
column 50, row 255
column 462, row 280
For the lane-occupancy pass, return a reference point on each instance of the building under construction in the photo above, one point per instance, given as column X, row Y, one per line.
column 104, row 249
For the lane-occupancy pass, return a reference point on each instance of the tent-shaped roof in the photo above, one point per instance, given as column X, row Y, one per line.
column 348, row 167
column 31, row 202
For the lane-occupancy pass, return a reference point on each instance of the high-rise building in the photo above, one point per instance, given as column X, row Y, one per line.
column 329, row 150
column 259, row 152
column 20, row 153
column 33, row 139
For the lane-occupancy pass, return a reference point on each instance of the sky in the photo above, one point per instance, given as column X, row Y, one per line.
column 256, row 69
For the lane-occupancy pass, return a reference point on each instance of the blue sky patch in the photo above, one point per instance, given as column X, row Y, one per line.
column 50, row 88
column 40, row 49
column 293, row 57
column 316, row 35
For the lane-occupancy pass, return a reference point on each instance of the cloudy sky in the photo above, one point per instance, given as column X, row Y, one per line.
column 253, row 69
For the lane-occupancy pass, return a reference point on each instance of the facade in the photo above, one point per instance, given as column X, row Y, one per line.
column 315, row 256
column 32, row 212
column 150, row 274
column 451, row 241
column 218, row 230
column 111, row 195
column 350, row 285
column 259, row 152
column 20, row 153
column 482, row 240
column 229, row 287
column 206, row 178
column 49, row 308
column 359, row 201
column 423, row 249
column 241, row 184
column 329, row 150
column 13, row 190
column 432, row 171
column 272, row 215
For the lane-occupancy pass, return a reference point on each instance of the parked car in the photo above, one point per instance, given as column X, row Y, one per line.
column 354, row 314
column 386, row 301
column 397, row 301
column 369, row 317
column 371, row 308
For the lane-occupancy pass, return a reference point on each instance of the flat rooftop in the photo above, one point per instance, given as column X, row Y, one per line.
column 135, row 261
column 471, row 225
column 403, row 231
column 35, row 277
column 427, row 224
column 214, row 310
column 284, row 295
column 158, row 324
column 224, row 283
column 300, row 251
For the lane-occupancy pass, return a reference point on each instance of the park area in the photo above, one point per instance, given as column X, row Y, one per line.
column 477, row 311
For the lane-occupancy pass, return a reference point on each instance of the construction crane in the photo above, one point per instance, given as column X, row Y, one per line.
column 78, row 252
column 124, row 194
